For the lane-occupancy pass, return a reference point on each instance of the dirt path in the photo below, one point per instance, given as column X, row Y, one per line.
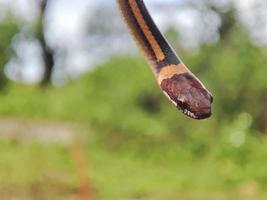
column 36, row 130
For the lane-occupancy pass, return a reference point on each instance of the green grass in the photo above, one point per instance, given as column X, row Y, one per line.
column 32, row 170
column 138, row 146
column 35, row 170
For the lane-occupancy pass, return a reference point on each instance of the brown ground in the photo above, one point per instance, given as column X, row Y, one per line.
column 36, row 130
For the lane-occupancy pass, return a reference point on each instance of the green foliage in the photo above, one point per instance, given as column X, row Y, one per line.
column 8, row 30
column 121, row 98
column 143, row 148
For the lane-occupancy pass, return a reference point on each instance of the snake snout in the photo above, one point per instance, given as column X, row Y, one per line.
column 203, row 113
column 201, row 102
column 196, row 103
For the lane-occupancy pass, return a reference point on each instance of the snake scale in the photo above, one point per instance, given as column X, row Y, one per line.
column 176, row 81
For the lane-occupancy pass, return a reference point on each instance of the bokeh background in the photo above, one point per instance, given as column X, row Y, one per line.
column 81, row 116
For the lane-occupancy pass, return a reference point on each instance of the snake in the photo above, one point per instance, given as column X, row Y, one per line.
column 182, row 88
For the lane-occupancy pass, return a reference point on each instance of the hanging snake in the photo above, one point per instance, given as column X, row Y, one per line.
column 176, row 81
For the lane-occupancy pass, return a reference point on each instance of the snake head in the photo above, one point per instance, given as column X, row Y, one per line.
column 188, row 95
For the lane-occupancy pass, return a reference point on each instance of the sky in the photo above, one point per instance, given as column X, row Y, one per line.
column 67, row 32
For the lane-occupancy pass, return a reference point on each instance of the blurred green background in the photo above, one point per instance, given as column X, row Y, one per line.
column 113, row 127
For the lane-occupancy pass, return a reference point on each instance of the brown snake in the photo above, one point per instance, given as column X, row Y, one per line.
column 176, row 81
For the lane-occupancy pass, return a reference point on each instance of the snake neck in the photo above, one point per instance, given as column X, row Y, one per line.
column 179, row 85
column 154, row 45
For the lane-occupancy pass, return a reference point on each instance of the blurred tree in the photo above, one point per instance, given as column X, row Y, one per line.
column 8, row 30
column 48, row 55
column 228, row 22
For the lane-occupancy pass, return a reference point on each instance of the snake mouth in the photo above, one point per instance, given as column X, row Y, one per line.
column 206, row 113
column 189, row 113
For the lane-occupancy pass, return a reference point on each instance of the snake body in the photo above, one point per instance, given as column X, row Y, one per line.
column 176, row 81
